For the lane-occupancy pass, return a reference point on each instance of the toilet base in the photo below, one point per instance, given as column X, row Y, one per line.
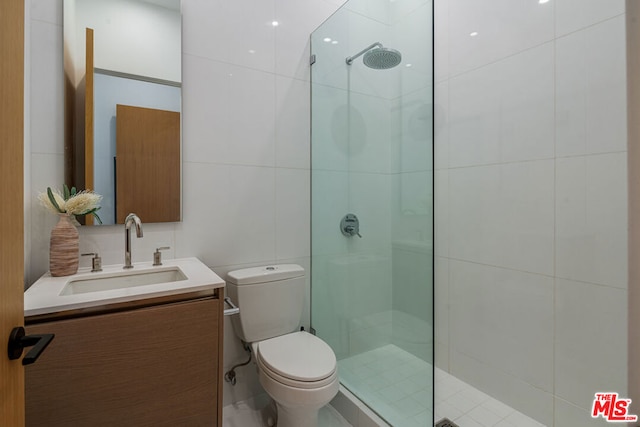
column 298, row 407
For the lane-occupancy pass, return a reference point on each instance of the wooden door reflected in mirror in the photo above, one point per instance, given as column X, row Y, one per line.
column 147, row 164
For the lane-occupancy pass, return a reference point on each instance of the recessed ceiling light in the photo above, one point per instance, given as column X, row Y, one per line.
column 334, row 42
column 408, row 65
column 543, row 1
column 326, row 39
column 275, row 23
column 251, row 51
column 473, row 33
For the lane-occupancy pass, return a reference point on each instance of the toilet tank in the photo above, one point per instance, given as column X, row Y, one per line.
column 270, row 298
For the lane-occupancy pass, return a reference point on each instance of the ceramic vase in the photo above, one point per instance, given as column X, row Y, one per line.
column 64, row 248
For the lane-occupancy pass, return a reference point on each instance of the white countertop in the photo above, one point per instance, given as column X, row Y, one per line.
column 43, row 297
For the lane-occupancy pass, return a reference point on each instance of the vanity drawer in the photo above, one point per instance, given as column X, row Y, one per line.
column 153, row 366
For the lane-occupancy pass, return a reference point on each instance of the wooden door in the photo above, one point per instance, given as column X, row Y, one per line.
column 147, row 164
column 11, row 208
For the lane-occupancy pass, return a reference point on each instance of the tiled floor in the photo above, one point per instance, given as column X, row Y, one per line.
column 469, row 407
column 251, row 413
column 394, row 383
column 397, row 385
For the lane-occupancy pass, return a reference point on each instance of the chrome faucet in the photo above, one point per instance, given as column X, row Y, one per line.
column 131, row 219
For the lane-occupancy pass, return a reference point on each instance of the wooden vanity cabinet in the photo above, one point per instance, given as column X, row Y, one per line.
column 155, row 366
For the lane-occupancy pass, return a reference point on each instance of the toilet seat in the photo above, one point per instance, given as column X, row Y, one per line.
column 298, row 359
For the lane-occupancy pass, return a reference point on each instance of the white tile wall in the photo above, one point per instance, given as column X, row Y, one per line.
column 591, row 235
column 245, row 142
column 590, row 89
column 567, row 414
column 239, row 127
column 504, row 28
column 298, row 19
column 572, row 15
column 502, row 215
column 442, row 310
column 293, row 122
column 503, row 318
column 531, row 201
column 503, row 112
column 591, row 326
column 228, row 31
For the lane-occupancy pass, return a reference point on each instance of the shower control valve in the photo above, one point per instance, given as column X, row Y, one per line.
column 350, row 225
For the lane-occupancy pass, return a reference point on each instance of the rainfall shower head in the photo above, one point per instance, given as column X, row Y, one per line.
column 382, row 58
column 378, row 57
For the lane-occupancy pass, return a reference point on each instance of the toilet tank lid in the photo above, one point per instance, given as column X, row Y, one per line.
column 268, row 273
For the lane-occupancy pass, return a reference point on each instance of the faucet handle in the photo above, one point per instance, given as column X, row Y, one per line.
column 157, row 256
column 96, row 261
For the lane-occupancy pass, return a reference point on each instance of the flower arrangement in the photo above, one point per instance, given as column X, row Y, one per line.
column 71, row 202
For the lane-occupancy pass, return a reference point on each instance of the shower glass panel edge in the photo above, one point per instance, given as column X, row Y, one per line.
column 372, row 157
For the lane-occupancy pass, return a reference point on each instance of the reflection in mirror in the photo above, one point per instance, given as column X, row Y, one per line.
column 122, row 56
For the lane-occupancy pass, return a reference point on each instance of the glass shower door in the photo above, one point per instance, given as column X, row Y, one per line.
column 372, row 203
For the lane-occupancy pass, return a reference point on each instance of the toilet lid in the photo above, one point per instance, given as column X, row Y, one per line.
column 298, row 356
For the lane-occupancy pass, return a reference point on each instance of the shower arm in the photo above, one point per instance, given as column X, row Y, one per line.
column 350, row 59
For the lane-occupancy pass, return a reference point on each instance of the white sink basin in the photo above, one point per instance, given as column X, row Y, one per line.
column 86, row 290
column 122, row 281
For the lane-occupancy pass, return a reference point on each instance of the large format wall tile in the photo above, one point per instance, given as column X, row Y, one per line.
column 293, row 144
column 509, row 389
column 591, row 90
column 297, row 19
column 239, row 32
column 503, row 27
column 503, row 318
column 46, row 89
column 329, row 203
column 591, row 219
column 567, row 414
column 229, row 214
column 572, row 15
column 229, row 113
column 590, row 342
column 503, row 112
column 293, row 206
column 441, row 308
column 503, row 215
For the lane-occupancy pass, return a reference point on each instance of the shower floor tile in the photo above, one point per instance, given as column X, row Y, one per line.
column 397, row 385
column 394, row 383
column 469, row 407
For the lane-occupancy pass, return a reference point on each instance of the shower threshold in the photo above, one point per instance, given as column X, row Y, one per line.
column 445, row 422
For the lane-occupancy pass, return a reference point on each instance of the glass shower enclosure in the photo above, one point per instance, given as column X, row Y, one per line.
column 372, row 202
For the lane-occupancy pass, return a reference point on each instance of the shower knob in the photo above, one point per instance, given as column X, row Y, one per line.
column 350, row 225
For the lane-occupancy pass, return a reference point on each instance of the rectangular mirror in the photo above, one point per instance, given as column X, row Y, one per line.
column 123, row 79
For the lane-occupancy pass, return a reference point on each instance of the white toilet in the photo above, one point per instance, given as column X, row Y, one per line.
column 297, row 369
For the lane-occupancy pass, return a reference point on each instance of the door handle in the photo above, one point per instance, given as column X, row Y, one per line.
column 18, row 341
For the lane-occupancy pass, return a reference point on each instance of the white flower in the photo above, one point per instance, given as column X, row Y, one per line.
column 46, row 202
column 82, row 203
column 72, row 203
